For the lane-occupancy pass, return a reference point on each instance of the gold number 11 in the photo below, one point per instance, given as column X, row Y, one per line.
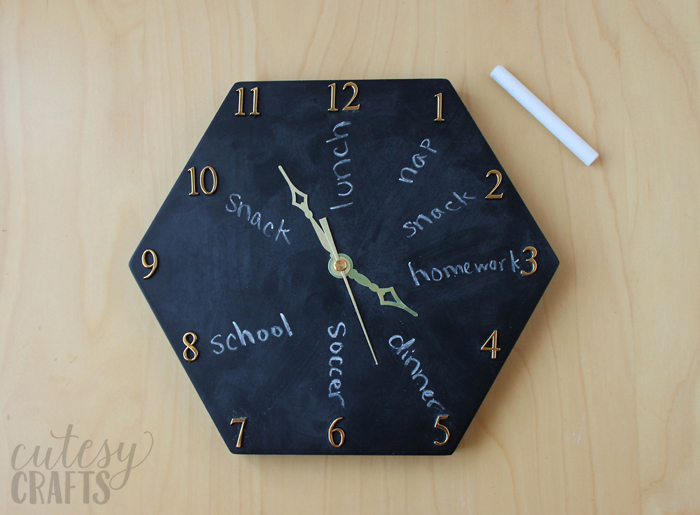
column 254, row 112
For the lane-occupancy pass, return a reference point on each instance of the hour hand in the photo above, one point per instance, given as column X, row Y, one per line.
column 381, row 292
column 304, row 206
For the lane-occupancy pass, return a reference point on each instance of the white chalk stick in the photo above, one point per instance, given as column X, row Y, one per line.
column 544, row 114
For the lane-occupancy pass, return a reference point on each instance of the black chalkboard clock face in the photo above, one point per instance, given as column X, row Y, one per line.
column 302, row 193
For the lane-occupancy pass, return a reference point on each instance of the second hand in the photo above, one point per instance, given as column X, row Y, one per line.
column 340, row 265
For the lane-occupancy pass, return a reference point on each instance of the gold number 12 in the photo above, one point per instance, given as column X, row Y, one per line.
column 348, row 106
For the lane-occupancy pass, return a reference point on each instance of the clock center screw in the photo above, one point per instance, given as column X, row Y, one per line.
column 340, row 265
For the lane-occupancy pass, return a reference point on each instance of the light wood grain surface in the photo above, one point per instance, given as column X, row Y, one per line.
column 596, row 411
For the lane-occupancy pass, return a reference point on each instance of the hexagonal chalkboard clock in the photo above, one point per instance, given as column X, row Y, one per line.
column 343, row 267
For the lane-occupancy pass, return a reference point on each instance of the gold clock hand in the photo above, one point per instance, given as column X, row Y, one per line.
column 341, row 265
column 381, row 292
column 304, row 206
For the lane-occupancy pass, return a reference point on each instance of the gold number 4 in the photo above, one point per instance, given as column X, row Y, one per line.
column 340, row 432
column 499, row 178
column 240, row 421
column 193, row 182
column 154, row 262
column 438, row 425
column 494, row 344
column 348, row 106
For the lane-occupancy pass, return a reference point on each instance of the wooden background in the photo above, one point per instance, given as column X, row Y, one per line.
column 598, row 408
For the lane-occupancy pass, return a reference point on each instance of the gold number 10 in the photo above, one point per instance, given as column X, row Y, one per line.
column 193, row 182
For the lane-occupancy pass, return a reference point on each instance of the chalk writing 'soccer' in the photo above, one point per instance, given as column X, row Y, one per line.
column 317, row 219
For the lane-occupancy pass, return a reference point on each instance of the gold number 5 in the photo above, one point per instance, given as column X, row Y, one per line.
column 531, row 260
column 438, row 425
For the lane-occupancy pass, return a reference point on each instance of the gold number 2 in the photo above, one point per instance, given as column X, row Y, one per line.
column 438, row 425
column 240, row 421
column 348, row 106
column 499, row 178
column 189, row 346
column 340, row 432
column 154, row 262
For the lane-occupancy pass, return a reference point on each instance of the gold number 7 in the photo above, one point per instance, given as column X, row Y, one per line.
column 240, row 434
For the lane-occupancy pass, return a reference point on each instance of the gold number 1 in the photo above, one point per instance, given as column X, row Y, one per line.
column 439, row 108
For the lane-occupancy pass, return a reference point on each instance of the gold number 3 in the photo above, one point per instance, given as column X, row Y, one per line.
column 438, row 425
column 531, row 260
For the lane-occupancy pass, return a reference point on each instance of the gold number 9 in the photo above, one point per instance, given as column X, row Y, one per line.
column 153, row 265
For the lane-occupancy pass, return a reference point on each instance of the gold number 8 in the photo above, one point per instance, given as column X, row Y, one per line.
column 189, row 346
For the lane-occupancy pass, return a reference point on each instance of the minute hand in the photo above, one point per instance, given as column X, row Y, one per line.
column 304, row 206
column 381, row 292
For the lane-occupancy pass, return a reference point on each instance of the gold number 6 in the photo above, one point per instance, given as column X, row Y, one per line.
column 340, row 432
